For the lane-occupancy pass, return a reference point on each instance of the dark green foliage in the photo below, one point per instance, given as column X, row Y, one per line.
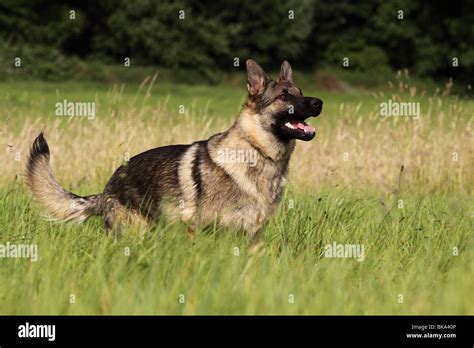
column 213, row 33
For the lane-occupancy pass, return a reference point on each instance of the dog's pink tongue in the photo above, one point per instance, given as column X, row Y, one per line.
column 301, row 125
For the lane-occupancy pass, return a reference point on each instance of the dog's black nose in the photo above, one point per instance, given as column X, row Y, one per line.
column 316, row 103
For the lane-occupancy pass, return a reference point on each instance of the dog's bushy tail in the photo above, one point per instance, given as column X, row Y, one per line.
column 60, row 203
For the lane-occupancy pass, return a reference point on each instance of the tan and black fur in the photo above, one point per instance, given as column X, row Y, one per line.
column 192, row 182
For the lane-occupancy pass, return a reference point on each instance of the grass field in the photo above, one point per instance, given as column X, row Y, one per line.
column 345, row 187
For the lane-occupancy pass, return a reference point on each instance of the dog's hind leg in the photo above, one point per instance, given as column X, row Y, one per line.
column 112, row 224
column 118, row 217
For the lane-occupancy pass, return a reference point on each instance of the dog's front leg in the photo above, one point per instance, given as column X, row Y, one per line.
column 192, row 230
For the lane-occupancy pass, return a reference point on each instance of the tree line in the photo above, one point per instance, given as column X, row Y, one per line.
column 430, row 38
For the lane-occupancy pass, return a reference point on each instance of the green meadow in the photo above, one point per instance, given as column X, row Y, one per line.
column 398, row 188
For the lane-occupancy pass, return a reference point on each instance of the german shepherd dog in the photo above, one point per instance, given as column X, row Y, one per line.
column 198, row 183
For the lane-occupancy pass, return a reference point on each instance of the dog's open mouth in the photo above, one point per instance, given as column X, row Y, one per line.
column 293, row 125
column 298, row 129
column 300, row 126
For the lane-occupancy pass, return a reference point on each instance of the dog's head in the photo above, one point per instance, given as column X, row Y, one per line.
column 280, row 104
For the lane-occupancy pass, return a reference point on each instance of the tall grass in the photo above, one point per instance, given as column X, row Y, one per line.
column 415, row 224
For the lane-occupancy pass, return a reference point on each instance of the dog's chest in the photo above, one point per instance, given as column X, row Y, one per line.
column 260, row 193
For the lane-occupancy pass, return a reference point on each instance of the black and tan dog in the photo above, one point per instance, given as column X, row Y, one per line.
column 199, row 183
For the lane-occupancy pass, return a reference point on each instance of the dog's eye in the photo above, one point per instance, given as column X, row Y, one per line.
column 284, row 93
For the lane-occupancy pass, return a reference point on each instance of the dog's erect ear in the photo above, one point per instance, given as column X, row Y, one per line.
column 286, row 74
column 256, row 78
